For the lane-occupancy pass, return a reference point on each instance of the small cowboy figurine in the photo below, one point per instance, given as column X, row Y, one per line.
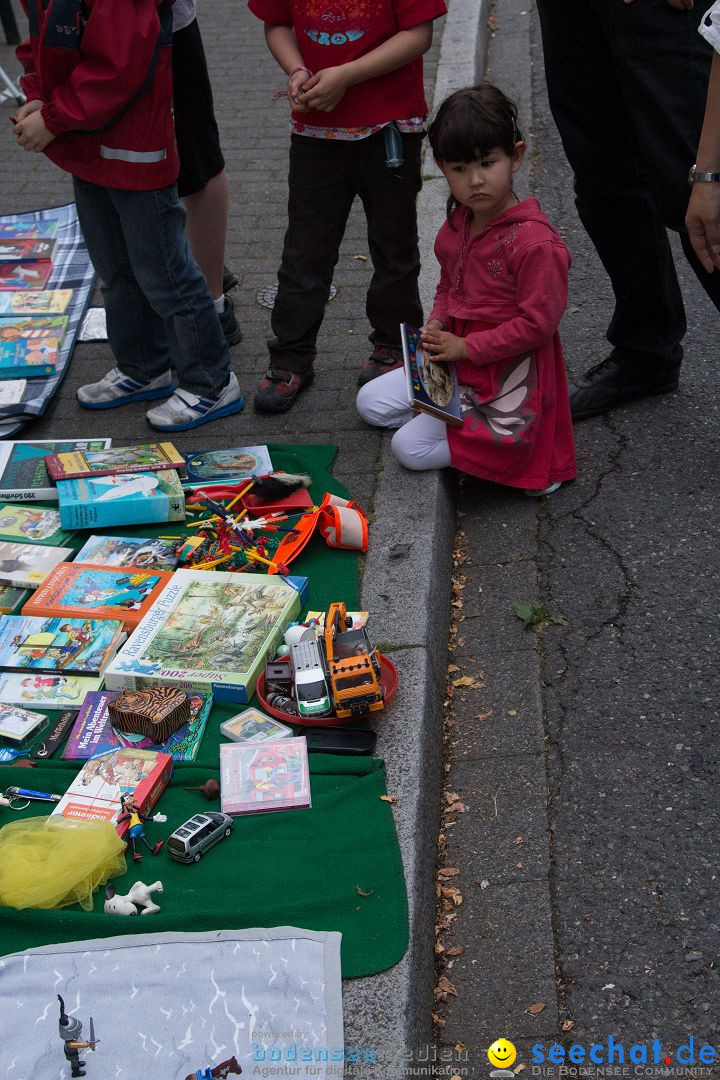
column 133, row 814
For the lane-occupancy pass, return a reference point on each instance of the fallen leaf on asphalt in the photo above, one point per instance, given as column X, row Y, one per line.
column 438, row 1020
column 484, row 715
column 460, row 1046
column 519, row 839
column 445, row 986
column 453, row 667
column 361, row 892
column 389, row 798
column 567, row 1025
column 536, row 1008
column 456, row 1076
column 455, row 950
column 512, row 712
column 483, row 884
column 519, row 1068
column 465, row 680
column 492, row 23
column 361, row 258
column 455, row 808
column 448, row 871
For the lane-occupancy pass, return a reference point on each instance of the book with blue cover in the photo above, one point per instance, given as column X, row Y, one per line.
column 29, row 347
column 123, row 499
column 97, row 592
column 60, row 644
column 207, row 467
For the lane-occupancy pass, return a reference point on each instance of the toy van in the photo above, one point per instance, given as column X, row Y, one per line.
column 310, row 685
column 190, row 842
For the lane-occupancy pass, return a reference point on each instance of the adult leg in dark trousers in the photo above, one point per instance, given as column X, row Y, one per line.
column 325, row 177
column 627, row 85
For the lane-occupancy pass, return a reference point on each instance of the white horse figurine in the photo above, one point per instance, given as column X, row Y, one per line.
column 137, row 900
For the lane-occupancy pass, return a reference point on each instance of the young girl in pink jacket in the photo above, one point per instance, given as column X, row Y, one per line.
column 501, row 295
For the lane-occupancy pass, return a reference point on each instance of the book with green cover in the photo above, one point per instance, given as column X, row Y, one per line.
column 209, row 630
column 148, row 457
column 23, row 476
column 32, row 525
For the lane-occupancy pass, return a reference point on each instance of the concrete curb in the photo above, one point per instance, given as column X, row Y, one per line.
column 407, row 591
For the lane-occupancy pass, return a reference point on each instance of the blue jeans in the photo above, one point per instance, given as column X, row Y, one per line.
column 627, row 86
column 159, row 309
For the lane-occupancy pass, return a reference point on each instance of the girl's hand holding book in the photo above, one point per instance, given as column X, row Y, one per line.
column 442, row 346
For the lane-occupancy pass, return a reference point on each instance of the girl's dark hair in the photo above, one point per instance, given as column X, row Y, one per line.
column 470, row 123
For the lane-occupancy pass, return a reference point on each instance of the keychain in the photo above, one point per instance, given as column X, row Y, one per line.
column 14, row 794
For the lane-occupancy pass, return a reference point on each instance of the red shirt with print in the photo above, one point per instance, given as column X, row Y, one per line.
column 333, row 33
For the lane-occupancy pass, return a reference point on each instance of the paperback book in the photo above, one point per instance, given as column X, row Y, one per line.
column 149, row 553
column 28, row 230
column 25, row 275
column 23, row 476
column 209, row 630
column 46, row 691
column 32, row 525
column 34, row 301
column 100, row 592
column 17, row 724
column 218, row 466
column 12, row 599
column 78, row 645
column 28, row 565
column 30, row 347
column 21, row 248
column 94, row 734
column 272, row 776
column 12, row 391
column 432, row 387
column 125, row 499
column 96, row 792
column 150, row 457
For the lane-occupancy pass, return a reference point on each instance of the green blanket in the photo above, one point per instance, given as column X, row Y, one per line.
column 336, row 866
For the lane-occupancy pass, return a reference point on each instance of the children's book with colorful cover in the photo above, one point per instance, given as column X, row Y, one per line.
column 209, row 630
column 218, row 466
column 30, row 347
column 17, row 724
column 34, row 301
column 28, row 230
column 32, row 525
column 100, row 592
column 125, row 499
column 23, row 476
column 432, row 387
column 150, row 457
column 43, row 690
column 12, row 391
column 12, row 599
column 25, row 275
column 93, row 733
column 20, row 248
column 149, row 553
column 84, row 646
column 28, row 565
column 96, row 792
column 271, row 776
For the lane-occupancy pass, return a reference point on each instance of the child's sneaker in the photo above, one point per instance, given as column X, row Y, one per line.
column 382, row 359
column 115, row 389
column 185, row 410
column 535, row 493
column 278, row 389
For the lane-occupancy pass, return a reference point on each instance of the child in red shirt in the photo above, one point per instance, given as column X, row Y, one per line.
column 355, row 88
column 501, row 295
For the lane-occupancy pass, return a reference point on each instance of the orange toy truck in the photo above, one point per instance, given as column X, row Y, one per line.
column 352, row 664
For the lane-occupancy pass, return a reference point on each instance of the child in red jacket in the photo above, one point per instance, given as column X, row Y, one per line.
column 99, row 88
column 501, row 295
column 355, row 88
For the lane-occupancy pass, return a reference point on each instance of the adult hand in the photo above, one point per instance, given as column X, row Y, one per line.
column 29, row 107
column 703, row 224
column 440, row 345
column 326, row 89
column 679, row 5
column 32, row 134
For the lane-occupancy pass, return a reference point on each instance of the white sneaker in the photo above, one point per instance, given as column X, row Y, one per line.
column 185, row 410
column 535, row 493
column 116, row 389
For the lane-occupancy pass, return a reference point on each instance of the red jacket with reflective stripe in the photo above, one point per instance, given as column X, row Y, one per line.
column 103, row 70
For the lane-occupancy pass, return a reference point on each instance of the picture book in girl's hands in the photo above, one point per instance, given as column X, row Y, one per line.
column 34, row 301
column 100, row 592
column 17, row 723
column 270, row 776
column 78, row 645
column 149, row 553
column 30, row 347
column 126, row 499
column 432, row 387
column 29, row 564
column 94, row 734
column 44, row 690
column 32, row 525
column 23, row 476
column 150, row 457
column 25, row 275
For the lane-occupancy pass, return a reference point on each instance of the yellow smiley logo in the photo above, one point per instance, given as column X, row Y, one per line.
column 502, row 1053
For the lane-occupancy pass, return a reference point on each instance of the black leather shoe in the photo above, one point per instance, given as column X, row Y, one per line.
column 613, row 382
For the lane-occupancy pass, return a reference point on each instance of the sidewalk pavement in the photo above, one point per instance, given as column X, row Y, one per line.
column 407, row 571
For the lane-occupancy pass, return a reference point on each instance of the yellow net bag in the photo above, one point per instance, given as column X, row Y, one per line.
column 52, row 862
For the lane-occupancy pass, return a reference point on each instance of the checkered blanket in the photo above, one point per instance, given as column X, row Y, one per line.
column 72, row 269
